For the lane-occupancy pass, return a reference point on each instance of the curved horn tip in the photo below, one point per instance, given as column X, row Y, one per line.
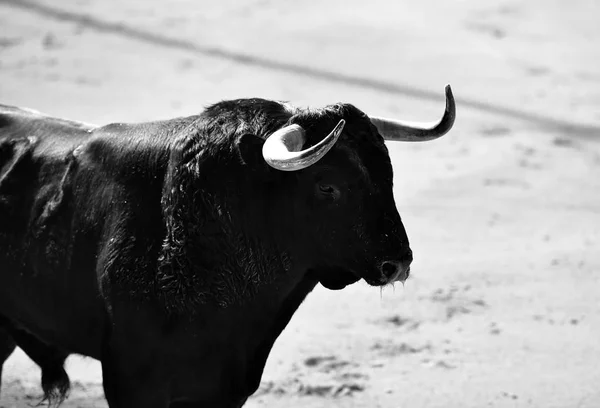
column 339, row 127
column 449, row 94
column 450, row 103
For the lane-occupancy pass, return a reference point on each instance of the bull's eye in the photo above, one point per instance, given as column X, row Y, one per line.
column 329, row 191
column 326, row 189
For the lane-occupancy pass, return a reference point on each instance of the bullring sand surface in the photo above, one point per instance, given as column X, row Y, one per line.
column 503, row 305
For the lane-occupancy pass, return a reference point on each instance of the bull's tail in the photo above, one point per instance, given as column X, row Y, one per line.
column 55, row 383
column 51, row 360
column 7, row 346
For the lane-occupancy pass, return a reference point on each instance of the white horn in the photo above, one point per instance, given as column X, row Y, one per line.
column 283, row 149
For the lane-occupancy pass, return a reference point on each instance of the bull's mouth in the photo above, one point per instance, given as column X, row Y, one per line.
column 336, row 278
column 399, row 275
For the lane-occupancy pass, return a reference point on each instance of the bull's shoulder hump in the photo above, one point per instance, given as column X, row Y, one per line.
column 119, row 145
column 158, row 134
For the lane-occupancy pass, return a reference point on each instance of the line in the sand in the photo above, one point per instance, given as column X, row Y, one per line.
column 548, row 123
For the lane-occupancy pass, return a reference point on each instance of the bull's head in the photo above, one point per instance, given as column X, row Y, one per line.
column 343, row 195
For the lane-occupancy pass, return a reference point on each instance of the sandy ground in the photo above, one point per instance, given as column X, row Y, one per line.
column 503, row 305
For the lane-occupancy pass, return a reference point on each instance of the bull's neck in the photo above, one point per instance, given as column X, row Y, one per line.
column 268, row 314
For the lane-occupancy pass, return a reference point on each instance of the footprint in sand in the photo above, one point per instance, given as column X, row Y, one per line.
column 328, row 376
column 391, row 348
column 405, row 323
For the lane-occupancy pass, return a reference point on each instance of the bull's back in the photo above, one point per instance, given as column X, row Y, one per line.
column 33, row 151
column 36, row 166
column 20, row 123
column 33, row 156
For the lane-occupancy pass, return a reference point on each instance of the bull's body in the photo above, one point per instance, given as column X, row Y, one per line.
column 172, row 253
column 81, row 233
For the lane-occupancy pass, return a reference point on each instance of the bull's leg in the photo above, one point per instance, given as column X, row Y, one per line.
column 132, row 382
column 7, row 346
column 50, row 359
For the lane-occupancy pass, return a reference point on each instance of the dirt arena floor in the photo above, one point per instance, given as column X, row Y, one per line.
column 503, row 305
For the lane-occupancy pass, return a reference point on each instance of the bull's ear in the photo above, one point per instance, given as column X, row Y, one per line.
column 249, row 148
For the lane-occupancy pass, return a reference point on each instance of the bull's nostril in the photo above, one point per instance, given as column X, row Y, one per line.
column 388, row 269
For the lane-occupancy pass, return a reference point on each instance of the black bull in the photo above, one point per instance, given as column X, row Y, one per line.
column 176, row 252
